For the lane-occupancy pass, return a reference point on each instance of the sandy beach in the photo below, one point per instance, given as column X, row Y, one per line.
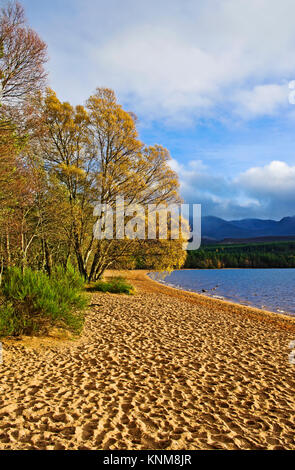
column 163, row 369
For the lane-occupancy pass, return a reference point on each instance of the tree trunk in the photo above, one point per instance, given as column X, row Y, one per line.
column 48, row 259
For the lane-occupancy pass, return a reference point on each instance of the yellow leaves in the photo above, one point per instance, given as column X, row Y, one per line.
column 63, row 115
column 110, row 122
column 51, row 101
column 72, row 170
column 95, row 154
column 81, row 115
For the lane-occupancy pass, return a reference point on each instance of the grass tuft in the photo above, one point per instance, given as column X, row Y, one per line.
column 114, row 285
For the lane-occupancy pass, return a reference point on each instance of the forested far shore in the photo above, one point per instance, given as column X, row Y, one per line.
column 248, row 255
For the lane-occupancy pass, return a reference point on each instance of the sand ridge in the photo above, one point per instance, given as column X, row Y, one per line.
column 153, row 371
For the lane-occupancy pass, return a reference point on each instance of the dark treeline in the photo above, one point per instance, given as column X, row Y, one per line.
column 253, row 255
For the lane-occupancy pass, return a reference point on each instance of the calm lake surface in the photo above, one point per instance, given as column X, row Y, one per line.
column 269, row 289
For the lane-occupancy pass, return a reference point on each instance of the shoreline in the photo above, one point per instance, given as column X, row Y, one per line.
column 142, row 280
column 285, row 314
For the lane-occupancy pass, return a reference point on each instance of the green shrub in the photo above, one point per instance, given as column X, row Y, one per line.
column 32, row 302
column 115, row 285
column 10, row 321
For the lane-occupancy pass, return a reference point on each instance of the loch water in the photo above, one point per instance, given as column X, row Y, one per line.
column 268, row 289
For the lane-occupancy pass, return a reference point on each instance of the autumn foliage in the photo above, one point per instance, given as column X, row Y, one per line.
column 57, row 161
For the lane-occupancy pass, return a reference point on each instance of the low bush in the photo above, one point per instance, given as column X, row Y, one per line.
column 114, row 285
column 32, row 302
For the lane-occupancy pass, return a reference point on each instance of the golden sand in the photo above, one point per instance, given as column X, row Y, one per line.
column 163, row 369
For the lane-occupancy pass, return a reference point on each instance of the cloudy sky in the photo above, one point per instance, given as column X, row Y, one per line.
column 208, row 79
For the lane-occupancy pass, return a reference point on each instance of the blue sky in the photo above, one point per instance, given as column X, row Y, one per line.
column 208, row 79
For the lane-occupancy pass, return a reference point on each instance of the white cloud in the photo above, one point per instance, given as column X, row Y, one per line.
column 177, row 60
column 261, row 100
column 203, row 57
column 258, row 192
column 277, row 179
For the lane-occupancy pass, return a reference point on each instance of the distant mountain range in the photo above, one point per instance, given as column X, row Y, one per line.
column 217, row 229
